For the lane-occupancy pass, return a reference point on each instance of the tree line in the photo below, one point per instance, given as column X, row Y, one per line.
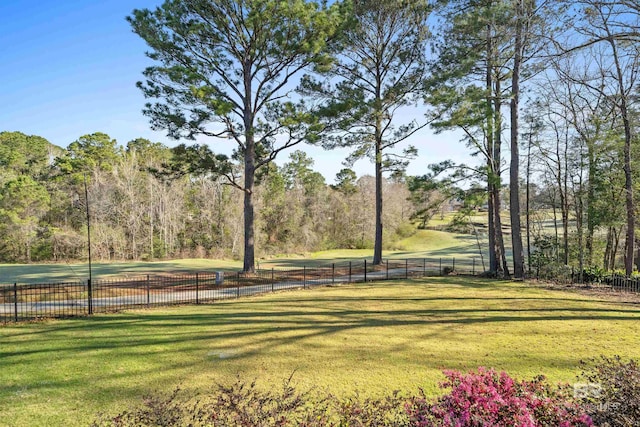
column 556, row 79
column 143, row 207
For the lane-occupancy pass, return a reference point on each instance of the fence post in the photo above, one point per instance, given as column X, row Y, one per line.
column 349, row 271
column 197, row 289
column 15, row 300
column 473, row 267
column 441, row 266
column 238, row 284
column 387, row 269
column 89, row 297
column 272, row 279
column 333, row 273
column 148, row 292
column 304, row 277
column 424, row 267
column 365, row 271
column 406, row 268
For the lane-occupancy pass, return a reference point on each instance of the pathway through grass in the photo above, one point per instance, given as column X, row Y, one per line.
column 371, row 338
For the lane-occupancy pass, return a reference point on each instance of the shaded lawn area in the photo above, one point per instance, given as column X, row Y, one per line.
column 370, row 338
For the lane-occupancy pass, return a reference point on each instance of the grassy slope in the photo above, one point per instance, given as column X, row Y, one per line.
column 430, row 243
column 375, row 337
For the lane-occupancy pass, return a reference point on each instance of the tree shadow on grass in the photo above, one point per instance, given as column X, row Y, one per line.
column 123, row 355
column 259, row 318
column 173, row 343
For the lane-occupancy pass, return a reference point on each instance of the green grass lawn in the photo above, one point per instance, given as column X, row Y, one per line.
column 423, row 244
column 60, row 272
column 441, row 244
column 372, row 338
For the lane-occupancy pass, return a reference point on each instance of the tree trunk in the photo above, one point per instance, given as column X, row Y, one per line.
column 563, row 186
column 249, row 238
column 151, row 213
column 249, row 175
column 503, row 268
column 590, row 203
column 493, row 260
column 608, row 249
column 494, row 263
column 377, row 249
column 628, row 180
column 514, row 169
column 579, row 211
column 527, row 208
column 497, row 158
column 555, row 228
column 616, row 244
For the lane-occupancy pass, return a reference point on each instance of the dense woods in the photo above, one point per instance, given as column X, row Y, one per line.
column 141, row 209
column 546, row 90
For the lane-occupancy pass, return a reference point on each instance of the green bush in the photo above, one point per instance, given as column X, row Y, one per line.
column 405, row 229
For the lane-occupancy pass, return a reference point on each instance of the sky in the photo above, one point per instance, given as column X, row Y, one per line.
column 69, row 68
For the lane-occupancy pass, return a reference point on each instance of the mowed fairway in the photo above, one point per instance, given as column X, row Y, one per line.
column 423, row 244
column 369, row 338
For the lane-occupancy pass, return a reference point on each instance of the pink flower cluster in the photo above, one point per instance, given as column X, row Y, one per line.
column 489, row 398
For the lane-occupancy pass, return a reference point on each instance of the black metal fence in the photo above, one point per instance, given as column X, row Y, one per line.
column 22, row 302
column 569, row 275
column 614, row 282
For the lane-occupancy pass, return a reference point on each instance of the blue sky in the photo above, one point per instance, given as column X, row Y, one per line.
column 69, row 68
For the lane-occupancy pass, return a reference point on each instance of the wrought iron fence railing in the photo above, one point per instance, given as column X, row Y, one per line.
column 21, row 302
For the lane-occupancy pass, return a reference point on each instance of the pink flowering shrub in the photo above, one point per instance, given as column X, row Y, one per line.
column 488, row 398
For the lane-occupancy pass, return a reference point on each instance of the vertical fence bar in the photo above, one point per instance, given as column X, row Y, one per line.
column 272, row 279
column 15, row 301
column 441, row 266
column 387, row 269
column 90, row 297
column 365, row 270
column 333, row 273
column 473, row 267
column 424, row 267
column 349, row 271
column 304, row 277
column 197, row 288
column 148, row 292
column 454, row 264
column 238, row 284
column 406, row 268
